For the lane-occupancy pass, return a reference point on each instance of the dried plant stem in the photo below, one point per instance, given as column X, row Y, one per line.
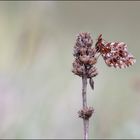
column 84, row 96
column 114, row 54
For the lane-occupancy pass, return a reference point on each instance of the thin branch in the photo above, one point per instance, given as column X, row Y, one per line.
column 84, row 96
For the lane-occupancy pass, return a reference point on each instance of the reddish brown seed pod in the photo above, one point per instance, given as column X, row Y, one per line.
column 83, row 51
column 84, row 59
column 92, row 61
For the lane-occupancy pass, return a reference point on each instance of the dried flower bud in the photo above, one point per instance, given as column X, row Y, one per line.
column 83, row 51
column 92, row 72
column 92, row 61
column 91, row 52
column 78, row 69
column 84, row 40
column 86, row 113
column 84, row 59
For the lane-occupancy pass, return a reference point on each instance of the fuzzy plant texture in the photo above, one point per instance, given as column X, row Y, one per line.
column 114, row 54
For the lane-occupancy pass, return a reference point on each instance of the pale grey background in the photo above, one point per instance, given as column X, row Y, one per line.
column 39, row 96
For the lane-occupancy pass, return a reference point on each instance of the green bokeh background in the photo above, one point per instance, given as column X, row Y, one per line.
column 39, row 96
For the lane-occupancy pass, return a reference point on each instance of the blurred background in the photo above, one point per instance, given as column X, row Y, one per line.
column 40, row 96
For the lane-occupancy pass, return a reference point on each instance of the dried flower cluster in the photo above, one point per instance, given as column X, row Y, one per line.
column 84, row 57
column 86, row 113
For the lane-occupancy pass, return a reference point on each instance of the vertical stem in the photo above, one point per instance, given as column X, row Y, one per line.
column 84, row 96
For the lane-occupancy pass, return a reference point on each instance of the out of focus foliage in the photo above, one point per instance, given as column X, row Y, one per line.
column 39, row 95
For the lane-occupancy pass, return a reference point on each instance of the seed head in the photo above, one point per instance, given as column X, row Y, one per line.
column 84, row 56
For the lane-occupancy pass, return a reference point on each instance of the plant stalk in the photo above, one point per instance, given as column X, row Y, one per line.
column 84, row 98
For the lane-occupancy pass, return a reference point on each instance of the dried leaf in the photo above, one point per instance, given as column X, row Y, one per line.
column 91, row 82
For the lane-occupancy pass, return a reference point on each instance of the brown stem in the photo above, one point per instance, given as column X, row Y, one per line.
column 84, row 96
